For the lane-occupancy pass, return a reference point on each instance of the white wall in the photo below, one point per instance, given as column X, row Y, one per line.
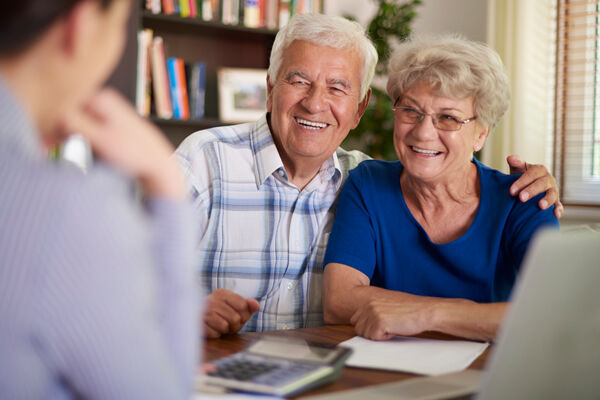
column 467, row 17
column 362, row 10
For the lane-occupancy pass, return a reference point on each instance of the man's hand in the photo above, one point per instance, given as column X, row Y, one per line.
column 227, row 312
column 123, row 139
column 536, row 179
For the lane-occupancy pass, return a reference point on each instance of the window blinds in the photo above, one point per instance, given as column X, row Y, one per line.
column 577, row 117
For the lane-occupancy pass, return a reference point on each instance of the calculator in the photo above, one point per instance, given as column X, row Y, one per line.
column 278, row 366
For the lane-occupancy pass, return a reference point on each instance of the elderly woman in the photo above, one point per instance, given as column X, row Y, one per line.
column 433, row 242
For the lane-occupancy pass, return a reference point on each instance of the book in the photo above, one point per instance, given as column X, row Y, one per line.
column 216, row 10
column 207, row 10
column 182, row 82
column 178, row 88
column 143, row 77
column 154, row 6
column 272, row 14
column 317, row 6
column 184, row 8
column 262, row 14
column 211, row 10
column 160, row 80
column 284, row 12
column 226, row 6
column 230, row 12
column 173, row 88
column 193, row 8
column 235, row 12
column 300, row 6
column 168, row 7
column 196, row 75
column 251, row 13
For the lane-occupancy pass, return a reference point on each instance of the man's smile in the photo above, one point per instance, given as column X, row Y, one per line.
column 310, row 124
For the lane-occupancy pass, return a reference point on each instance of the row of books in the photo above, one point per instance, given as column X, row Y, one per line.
column 167, row 87
column 270, row 14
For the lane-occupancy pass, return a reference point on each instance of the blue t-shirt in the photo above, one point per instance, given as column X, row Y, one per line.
column 375, row 233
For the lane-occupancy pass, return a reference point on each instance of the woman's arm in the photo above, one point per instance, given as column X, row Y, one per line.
column 380, row 314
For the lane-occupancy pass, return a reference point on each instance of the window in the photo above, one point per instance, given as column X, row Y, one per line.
column 577, row 120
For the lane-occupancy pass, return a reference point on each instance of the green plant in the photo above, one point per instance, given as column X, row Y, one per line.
column 390, row 24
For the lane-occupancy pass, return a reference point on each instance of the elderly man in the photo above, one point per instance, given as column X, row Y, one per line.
column 264, row 191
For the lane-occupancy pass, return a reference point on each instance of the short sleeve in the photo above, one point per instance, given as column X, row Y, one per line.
column 523, row 223
column 352, row 241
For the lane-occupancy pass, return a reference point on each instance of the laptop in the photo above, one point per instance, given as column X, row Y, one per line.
column 549, row 344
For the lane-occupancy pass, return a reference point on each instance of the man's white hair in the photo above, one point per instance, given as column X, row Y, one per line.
column 330, row 31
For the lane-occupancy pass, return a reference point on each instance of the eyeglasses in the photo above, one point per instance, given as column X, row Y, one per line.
column 444, row 122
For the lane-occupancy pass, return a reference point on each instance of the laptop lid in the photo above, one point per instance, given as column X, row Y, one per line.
column 549, row 344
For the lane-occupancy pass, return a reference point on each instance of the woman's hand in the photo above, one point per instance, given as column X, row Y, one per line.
column 128, row 142
column 382, row 320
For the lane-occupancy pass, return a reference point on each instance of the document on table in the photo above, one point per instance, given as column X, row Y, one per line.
column 414, row 355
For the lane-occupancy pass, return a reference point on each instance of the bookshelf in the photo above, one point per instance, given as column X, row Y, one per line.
column 193, row 39
column 216, row 44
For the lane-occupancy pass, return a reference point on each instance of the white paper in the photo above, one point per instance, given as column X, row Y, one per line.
column 415, row 355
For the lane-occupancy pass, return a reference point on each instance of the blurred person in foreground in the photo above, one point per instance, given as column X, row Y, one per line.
column 265, row 192
column 434, row 241
column 97, row 294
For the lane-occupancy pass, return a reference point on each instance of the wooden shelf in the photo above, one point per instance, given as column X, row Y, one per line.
column 203, row 123
column 176, row 129
column 175, row 23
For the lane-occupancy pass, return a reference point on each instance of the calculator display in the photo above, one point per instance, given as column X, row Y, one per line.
column 293, row 350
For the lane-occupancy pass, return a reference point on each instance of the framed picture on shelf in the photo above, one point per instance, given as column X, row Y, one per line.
column 242, row 94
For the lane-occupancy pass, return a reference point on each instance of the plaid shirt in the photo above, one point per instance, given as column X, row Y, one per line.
column 262, row 237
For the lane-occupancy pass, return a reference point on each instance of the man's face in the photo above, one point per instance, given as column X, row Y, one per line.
column 314, row 102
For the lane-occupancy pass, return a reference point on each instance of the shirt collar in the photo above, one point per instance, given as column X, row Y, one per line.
column 17, row 130
column 268, row 161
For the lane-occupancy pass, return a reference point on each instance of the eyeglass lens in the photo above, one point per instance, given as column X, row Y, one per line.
column 441, row 121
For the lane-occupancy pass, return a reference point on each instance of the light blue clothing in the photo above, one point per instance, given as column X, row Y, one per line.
column 261, row 236
column 96, row 294
column 375, row 233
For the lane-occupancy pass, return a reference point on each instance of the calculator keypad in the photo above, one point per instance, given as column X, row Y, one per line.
column 242, row 370
column 258, row 370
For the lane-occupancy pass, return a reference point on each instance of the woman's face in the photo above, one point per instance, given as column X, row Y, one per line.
column 431, row 154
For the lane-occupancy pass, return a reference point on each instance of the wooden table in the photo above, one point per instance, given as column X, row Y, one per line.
column 333, row 334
